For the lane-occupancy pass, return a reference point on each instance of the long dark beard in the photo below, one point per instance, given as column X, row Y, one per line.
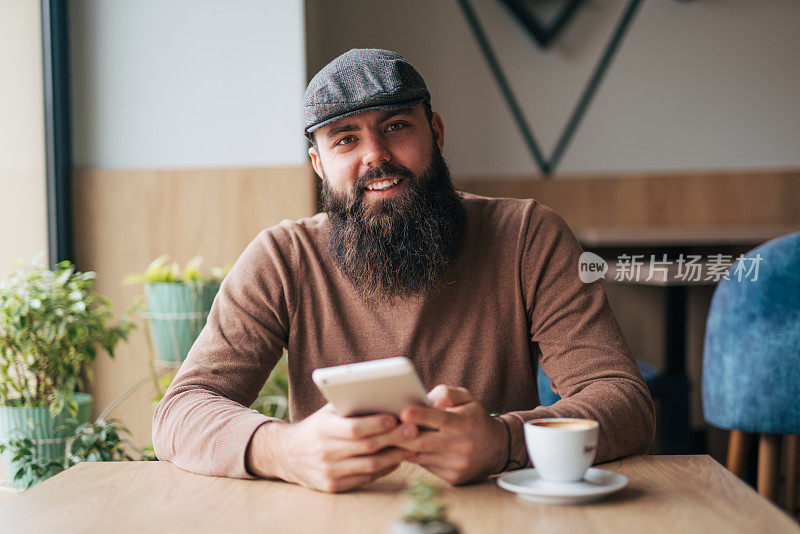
column 396, row 247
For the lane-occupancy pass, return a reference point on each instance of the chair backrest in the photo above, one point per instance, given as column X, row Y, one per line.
column 546, row 395
column 751, row 357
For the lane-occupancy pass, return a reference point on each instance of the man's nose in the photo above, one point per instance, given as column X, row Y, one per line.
column 376, row 153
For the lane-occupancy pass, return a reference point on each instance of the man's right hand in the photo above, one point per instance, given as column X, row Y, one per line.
column 328, row 452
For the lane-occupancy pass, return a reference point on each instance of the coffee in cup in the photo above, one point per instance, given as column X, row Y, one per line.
column 562, row 448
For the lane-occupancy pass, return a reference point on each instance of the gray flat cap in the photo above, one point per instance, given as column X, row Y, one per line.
column 360, row 80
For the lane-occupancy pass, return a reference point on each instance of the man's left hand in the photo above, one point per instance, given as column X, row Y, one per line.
column 465, row 444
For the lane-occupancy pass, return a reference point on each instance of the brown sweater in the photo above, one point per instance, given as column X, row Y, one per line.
column 513, row 296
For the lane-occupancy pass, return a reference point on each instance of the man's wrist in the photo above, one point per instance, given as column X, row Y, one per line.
column 503, row 437
column 262, row 456
column 515, row 454
column 519, row 452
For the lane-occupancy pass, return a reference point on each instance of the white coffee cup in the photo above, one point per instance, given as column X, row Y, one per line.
column 561, row 448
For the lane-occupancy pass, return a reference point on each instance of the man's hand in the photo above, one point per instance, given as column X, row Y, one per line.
column 328, row 452
column 466, row 443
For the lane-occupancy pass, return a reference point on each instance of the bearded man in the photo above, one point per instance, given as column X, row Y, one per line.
column 477, row 292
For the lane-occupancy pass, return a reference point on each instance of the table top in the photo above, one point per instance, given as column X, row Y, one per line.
column 691, row 493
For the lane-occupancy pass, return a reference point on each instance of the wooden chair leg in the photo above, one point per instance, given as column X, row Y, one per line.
column 792, row 445
column 738, row 448
column 769, row 453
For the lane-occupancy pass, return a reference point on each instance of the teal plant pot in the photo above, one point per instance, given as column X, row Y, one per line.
column 177, row 312
column 15, row 418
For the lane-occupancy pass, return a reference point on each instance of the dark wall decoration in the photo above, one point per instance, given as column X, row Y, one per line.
column 544, row 35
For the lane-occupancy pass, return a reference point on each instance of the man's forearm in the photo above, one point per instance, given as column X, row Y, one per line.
column 264, row 455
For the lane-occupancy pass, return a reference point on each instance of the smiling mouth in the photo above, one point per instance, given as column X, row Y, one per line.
column 383, row 185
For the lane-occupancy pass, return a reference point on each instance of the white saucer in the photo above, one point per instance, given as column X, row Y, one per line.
column 529, row 486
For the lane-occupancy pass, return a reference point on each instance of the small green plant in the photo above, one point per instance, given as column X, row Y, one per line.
column 88, row 442
column 51, row 324
column 276, row 386
column 163, row 382
column 100, row 441
column 160, row 271
column 422, row 505
column 29, row 462
column 148, row 454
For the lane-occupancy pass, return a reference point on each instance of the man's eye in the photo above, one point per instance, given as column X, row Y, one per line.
column 345, row 140
column 395, row 126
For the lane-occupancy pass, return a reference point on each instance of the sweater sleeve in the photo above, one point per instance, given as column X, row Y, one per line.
column 580, row 345
column 203, row 423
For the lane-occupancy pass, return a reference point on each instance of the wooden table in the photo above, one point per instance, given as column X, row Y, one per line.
column 666, row 494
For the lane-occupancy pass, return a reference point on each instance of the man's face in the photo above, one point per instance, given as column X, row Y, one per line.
column 395, row 218
column 352, row 155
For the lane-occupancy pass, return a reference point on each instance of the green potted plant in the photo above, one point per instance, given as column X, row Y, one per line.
column 178, row 303
column 87, row 442
column 423, row 513
column 51, row 326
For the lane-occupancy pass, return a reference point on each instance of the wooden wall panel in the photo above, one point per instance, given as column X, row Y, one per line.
column 126, row 218
column 741, row 198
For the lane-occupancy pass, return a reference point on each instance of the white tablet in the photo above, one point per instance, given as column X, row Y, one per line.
column 378, row 386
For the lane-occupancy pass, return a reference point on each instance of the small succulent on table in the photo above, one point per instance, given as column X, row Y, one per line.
column 423, row 513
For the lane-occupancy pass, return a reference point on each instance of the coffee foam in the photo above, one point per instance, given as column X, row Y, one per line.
column 577, row 424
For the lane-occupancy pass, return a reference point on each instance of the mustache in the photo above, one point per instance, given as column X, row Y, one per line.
column 385, row 170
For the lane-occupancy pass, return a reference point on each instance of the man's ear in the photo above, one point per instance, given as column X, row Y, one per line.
column 315, row 161
column 437, row 126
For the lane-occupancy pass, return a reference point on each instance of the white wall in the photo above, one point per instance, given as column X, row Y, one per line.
column 23, row 195
column 701, row 84
column 187, row 83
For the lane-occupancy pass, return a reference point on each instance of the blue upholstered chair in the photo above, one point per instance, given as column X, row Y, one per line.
column 751, row 361
column 548, row 397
